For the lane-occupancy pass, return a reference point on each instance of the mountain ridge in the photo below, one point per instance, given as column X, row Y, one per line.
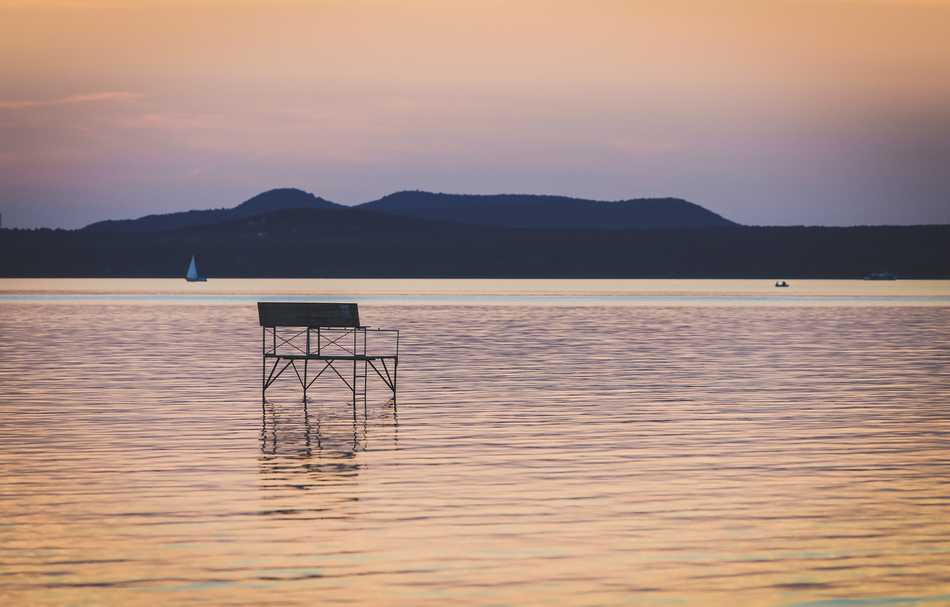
column 545, row 211
column 270, row 201
column 528, row 211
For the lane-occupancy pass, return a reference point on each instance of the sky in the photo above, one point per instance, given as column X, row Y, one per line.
column 768, row 112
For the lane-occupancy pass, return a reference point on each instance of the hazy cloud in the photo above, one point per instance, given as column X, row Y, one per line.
column 104, row 96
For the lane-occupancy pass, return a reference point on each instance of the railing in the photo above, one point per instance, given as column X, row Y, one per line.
column 329, row 341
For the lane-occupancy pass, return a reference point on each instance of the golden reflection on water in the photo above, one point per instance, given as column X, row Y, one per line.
column 476, row 290
column 538, row 455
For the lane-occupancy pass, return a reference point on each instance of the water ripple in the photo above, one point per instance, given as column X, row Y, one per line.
column 596, row 455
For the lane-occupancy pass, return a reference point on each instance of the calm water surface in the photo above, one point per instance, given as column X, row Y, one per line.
column 582, row 444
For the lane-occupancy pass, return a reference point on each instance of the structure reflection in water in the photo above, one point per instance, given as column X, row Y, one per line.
column 321, row 441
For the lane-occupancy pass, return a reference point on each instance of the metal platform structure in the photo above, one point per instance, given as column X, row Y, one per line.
column 330, row 335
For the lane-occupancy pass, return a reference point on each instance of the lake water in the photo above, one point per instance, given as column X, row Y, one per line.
column 555, row 442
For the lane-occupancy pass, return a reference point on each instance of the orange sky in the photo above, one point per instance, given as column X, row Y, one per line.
column 768, row 112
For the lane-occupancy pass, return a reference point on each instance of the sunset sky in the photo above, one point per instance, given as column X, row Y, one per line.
column 768, row 112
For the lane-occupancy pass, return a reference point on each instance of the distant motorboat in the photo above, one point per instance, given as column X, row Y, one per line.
column 881, row 276
column 781, row 284
column 191, row 275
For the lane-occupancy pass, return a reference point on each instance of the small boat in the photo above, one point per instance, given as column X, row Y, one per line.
column 881, row 276
column 192, row 274
column 781, row 284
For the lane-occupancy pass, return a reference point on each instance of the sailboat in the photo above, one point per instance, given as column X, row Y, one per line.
column 192, row 274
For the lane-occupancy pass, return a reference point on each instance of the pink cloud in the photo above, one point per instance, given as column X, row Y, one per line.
column 104, row 96
column 177, row 121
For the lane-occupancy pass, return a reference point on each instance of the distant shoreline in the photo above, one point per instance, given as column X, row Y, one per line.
column 315, row 244
column 294, row 234
column 211, row 277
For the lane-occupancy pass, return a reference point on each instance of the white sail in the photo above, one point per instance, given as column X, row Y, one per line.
column 192, row 273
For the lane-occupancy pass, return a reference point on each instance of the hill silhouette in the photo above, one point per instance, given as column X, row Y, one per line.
column 548, row 212
column 266, row 202
column 291, row 233
column 501, row 210
column 348, row 242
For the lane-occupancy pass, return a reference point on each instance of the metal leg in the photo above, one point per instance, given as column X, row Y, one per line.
column 263, row 368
